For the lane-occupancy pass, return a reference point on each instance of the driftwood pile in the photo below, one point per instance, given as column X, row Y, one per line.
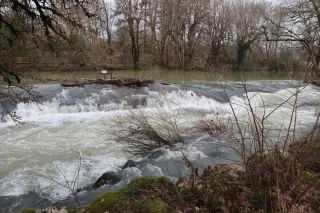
column 118, row 81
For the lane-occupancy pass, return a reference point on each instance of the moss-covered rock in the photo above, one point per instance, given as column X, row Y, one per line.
column 151, row 183
column 145, row 194
column 29, row 210
column 113, row 201
column 107, row 178
column 156, row 205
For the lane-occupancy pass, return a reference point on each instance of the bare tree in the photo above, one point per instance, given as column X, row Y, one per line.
column 161, row 21
column 131, row 20
column 218, row 30
column 301, row 25
column 31, row 24
column 246, row 24
column 106, row 23
column 188, row 28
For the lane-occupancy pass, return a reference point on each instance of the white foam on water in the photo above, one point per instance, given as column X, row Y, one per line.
column 264, row 104
column 156, row 171
column 191, row 152
column 29, row 150
column 131, row 173
column 185, row 100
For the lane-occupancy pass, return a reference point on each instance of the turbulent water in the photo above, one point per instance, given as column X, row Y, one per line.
column 72, row 122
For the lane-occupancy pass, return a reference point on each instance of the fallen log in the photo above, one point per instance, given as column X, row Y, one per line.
column 129, row 81
column 73, row 85
column 119, row 81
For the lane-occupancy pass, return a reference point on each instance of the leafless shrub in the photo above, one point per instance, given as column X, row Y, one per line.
column 144, row 130
column 214, row 127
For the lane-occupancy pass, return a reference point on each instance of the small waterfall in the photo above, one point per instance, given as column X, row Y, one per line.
column 67, row 120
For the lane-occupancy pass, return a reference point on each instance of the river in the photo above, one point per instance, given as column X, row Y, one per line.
column 68, row 122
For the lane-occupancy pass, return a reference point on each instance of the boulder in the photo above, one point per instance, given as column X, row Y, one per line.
column 107, row 178
column 155, row 155
column 129, row 164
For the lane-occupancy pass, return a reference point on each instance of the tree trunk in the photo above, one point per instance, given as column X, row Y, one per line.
column 242, row 48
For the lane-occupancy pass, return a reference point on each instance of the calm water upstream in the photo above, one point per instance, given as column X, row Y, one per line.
column 67, row 120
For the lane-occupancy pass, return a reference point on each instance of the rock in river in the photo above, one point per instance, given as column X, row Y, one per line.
column 129, row 164
column 107, row 178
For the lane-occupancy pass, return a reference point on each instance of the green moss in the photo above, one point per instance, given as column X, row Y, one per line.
column 307, row 177
column 180, row 180
column 132, row 198
column 270, row 158
column 153, row 206
column 113, row 201
column 73, row 211
column 29, row 211
column 146, row 183
column 315, row 79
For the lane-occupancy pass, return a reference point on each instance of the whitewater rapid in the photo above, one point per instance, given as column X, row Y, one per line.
column 67, row 121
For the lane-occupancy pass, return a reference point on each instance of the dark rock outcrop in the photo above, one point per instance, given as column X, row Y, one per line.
column 107, row 178
column 129, row 164
column 155, row 155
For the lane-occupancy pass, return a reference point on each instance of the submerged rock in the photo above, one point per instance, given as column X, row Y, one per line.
column 107, row 178
column 155, row 155
column 129, row 164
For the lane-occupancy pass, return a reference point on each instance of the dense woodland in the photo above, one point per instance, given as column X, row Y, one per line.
column 171, row 34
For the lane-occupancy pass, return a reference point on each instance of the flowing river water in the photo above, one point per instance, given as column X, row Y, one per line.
column 70, row 122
